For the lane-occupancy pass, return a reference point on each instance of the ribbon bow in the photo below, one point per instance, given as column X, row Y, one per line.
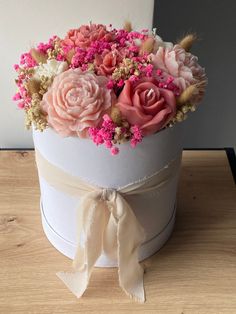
column 107, row 223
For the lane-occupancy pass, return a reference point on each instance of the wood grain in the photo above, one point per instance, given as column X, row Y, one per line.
column 195, row 272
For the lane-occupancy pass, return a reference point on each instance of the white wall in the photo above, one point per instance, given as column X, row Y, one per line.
column 24, row 23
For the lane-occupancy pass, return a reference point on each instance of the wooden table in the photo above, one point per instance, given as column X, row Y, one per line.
column 194, row 273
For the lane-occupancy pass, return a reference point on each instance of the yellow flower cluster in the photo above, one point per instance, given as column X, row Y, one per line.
column 53, row 53
column 181, row 114
column 34, row 114
column 123, row 71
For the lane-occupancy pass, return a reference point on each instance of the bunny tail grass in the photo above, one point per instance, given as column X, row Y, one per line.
column 147, row 46
column 38, row 56
column 187, row 94
column 33, row 86
column 128, row 26
column 187, row 41
column 116, row 115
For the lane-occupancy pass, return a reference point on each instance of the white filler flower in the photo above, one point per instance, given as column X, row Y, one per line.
column 50, row 69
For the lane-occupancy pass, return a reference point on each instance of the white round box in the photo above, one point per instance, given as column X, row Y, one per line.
column 82, row 158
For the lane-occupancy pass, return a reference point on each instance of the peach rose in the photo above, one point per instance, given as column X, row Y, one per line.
column 76, row 101
column 83, row 36
column 146, row 105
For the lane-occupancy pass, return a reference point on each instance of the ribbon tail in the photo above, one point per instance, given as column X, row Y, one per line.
column 130, row 235
column 76, row 282
column 94, row 222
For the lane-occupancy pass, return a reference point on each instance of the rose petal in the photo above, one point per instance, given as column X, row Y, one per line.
column 133, row 114
column 156, row 107
column 125, row 96
column 158, row 122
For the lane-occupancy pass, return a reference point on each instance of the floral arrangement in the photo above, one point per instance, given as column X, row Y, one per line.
column 110, row 85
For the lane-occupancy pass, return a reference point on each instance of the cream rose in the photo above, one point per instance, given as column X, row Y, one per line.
column 76, row 101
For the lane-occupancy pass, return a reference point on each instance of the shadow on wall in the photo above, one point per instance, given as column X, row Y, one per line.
column 213, row 125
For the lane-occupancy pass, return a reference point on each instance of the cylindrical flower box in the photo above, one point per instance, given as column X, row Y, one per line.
column 154, row 210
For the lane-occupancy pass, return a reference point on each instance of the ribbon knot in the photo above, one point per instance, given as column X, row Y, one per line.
column 108, row 225
column 108, row 194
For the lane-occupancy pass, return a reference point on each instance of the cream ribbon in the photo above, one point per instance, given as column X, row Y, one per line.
column 108, row 225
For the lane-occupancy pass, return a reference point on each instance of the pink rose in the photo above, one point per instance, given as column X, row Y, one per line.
column 182, row 66
column 83, row 36
column 146, row 105
column 76, row 101
column 106, row 63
